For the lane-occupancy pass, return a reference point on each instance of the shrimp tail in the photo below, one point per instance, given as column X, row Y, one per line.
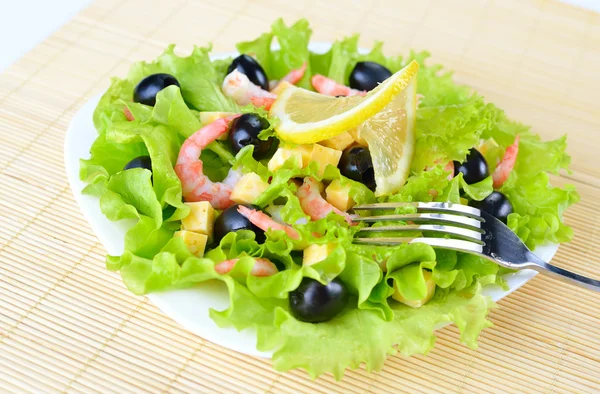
column 450, row 168
column 266, row 102
column 128, row 115
column 296, row 75
column 506, row 165
column 329, row 87
column 265, row 222
column 262, row 267
column 314, row 205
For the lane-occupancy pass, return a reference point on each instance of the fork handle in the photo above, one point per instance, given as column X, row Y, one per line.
column 562, row 274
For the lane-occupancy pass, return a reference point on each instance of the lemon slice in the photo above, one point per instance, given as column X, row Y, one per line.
column 390, row 135
column 307, row 117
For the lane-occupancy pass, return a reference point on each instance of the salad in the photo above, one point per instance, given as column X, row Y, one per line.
column 245, row 170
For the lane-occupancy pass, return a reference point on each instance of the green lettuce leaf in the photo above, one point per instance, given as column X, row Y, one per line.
column 339, row 61
column 360, row 336
column 130, row 194
column 200, row 82
column 292, row 53
column 538, row 206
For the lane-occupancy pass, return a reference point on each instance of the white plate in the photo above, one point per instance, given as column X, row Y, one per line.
column 190, row 307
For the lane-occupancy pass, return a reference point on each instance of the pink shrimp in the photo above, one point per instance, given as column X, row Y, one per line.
column 262, row 267
column 237, row 86
column 265, row 222
column 196, row 186
column 292, row 77
column 506, row 165
column 330, row 87
column 128, row 114
column 313, row 204
column 450, row 168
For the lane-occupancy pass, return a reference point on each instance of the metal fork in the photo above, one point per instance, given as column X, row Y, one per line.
column 469, row 230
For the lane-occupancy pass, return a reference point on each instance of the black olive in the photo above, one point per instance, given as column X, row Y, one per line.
column 474, row 168
column 496, row 204
column 139, row 162
column 368, row 75
column 252, row 69
column 231, row 220
column 314, row 302
column 244, row 131
column 356, row 164
column 146, row 90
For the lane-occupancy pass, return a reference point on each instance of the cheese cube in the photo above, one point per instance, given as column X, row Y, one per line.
column 338, row 196
column 356, row 136
column 195, row 242
column 316, row 253
column 248, row 188
column 200, row 219
column 281, row 156
column 430, row 286
column 339, row 142
column 209, row 117
column 325, row 156
column 306, row 152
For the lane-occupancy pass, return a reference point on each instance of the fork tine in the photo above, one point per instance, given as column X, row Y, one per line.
column 452, row 244
column 457, row 232
column 427, row 207
column 426, row 218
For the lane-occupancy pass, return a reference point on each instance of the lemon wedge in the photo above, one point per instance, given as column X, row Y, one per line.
column 307, row 117
column 390, row 135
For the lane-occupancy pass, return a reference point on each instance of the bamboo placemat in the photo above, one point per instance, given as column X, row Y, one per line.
column 68, row 325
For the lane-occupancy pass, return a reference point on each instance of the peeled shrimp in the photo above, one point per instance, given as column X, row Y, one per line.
column 449, row 167
column 237, row 86
column 196, row 186
column 262, row 267
column 329, row 87
column 506, row 165
column 313, row 204
column 264, row 221
column 128, row 114
column 292, row 77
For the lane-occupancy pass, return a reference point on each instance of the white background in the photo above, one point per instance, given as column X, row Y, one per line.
column 24, row 23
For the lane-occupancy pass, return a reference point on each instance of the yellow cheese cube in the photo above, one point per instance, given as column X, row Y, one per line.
column 430, row 286
column 200, row 219
column 315, row 253
column 209, row 117
column 325, row 156
column 338, row 196
column 281, row 156
column 306, row 152
column 249, row 187
column 356, row 136
column 339, row 142
column 195, row 242
column 301, row 154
